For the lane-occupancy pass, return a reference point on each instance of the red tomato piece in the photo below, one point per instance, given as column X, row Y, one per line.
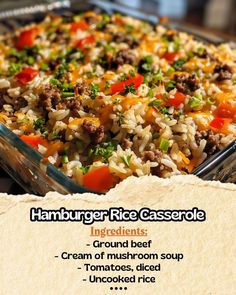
column 85, row 41
column 26, row 75
column 33, row 140
column 26, row 38
column 225, row 110
column 99, row 179
column 178, row 98
column 119, row 20
column 171, row 56
column 220, row 123
column 120, row 86
column 81, row 25
column 137, row 80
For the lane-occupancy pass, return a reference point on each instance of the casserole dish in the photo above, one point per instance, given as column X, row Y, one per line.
column 39, row 177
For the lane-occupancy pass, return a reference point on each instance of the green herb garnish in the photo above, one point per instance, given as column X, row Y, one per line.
column 156, row 103
column 67, row 94
column 157, row 77
column 84, row 169
column 178, row 64
column 126, row 160
column 14, row 68
column 39, row 123
column 170, row 71
column 129, row 89
column 64, row 159
column 107, row 85
column 195, row 101
column 94, row 90
column 103, row 150
column 44, row 67
column 164, row 145
column 120, row 117
column 170, row 85
column 211, row 101
column 145, row 64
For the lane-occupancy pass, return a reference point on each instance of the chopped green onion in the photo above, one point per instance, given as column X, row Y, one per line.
column 84, row 169
column 107, row 84
column 94, row 90
column 158, row 77
column 211, row 101
column 150, row 93
column 132, row 73
column 55, row 82
column 64, row 159
column 31, row 60
column 156, row 103
column 67, row 94
column 14, row 68
column 126, row 160
column 170, row 85
column 44, row 67
column 170, row 71
column 164, row 145
column 178, row 64
column 195, row 101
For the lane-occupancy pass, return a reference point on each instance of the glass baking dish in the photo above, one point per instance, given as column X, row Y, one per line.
column 25, row 165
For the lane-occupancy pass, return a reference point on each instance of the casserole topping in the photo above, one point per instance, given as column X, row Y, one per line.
column 105, row 97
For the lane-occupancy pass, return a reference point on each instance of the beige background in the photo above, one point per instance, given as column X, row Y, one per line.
column 27, row 250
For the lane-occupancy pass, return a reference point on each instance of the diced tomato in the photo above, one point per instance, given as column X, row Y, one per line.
column 118, row 20
column 178, row 98
column 33, row 140
column 171, row 56
column 220, row 123
column 81, row 25
column 120, row 86
column 99, row 179
column 26, row 38
column 226, row 110
column 26, row 75
column 82, row 43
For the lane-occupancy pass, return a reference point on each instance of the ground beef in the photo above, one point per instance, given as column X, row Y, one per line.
column 186, row 84
column 20, row 102
column 2, row 101
column 154, row 156
column 205, row 54
column 212, row 139
column 224, row 72
column 89, row 127
column 91, row 20
column 49, row 98
column 74, row 106
column 123, row 57
column 126, row 144
column 82, row 88
column 124, row 38
column 97, row 134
